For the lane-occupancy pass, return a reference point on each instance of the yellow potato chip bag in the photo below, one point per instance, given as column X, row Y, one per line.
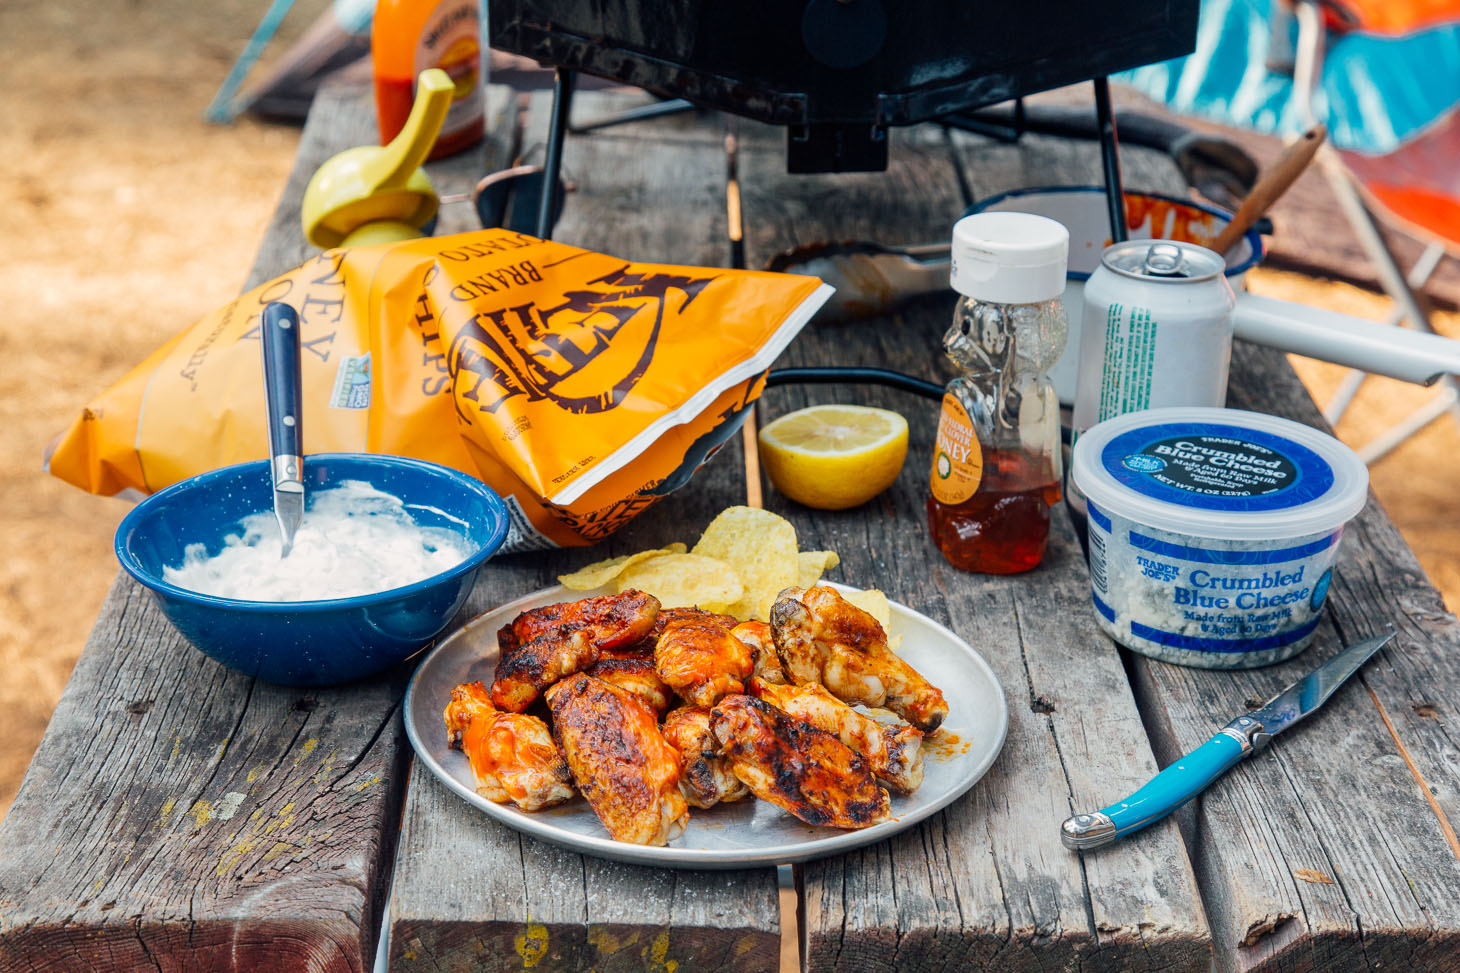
column 580, row 386
column 600, row 573
column 685, row 581
column 761, row 548
column 811, row 564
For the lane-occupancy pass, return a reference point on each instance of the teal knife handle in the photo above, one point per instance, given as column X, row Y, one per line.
column 1163, row 794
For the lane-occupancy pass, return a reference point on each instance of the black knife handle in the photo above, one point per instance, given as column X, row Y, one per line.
column 283, row 396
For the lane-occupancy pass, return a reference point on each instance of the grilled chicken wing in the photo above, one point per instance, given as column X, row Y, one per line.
column 670, row 615
column 559, row 640
column 644, row 648
column 607, row 609
column 796, row 766
column 619, row 760
column 707, row 779
column 635, row 676
column 767, row 664
column 822, row 638
column 698, row 658
column 641, row 650
column 893, row 754
column 512, row 756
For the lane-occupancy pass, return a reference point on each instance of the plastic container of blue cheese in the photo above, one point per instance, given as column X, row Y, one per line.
column 1214, row 532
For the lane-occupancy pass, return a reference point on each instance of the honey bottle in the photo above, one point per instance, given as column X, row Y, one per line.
column 996, row 460
column 410, row 36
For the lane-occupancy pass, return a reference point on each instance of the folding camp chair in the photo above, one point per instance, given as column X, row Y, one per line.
column 1384, row 76
column 1347, row 186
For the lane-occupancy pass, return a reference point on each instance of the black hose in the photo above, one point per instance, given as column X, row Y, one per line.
column 865, row 376
column 839, row 375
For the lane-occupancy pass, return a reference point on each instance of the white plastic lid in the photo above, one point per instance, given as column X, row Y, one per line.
column 1009, row 258
column 1220, row 473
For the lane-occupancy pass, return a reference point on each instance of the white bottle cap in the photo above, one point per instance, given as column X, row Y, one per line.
column 1009, row 258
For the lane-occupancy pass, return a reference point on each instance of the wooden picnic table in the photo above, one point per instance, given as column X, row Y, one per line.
column 181, row 816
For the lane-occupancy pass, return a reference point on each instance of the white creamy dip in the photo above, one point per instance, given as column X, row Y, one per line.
column 354, row 540
column 1213, row 533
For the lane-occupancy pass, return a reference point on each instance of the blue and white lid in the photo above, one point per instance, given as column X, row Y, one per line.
column 1220, row 473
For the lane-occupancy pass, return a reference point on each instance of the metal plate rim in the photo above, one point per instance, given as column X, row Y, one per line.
column 700, row 858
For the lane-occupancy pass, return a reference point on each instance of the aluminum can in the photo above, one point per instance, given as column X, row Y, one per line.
column 1157, row 331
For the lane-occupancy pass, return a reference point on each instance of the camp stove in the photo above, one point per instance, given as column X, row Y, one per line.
column 839, row 74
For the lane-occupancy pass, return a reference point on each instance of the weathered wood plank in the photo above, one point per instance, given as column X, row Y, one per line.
column 1335, row 796
column 1246, row 865
column 986, row 884
column 178, row 815
column 473, row 894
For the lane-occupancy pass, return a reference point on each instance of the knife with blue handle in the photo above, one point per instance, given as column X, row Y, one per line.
column 1193, row 773
column 283, row 401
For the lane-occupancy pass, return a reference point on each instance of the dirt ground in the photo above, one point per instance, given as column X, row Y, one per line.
column 127, row 217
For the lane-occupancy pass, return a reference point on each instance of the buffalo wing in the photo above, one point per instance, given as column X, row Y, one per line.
column 707, row 778
column 893, row 754
column 549, row 643
column 796, row 766
column 698, row 658
column 823, row 638
column 635, row 676
column 512, row 755
column 619, row 760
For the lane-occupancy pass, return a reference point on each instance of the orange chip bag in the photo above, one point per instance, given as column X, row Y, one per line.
column 580, row 386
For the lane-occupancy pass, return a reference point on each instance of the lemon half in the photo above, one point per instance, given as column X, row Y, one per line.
column 834, row 456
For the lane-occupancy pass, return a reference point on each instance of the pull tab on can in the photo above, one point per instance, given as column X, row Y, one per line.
column 1173, row 261
column 1163, row 260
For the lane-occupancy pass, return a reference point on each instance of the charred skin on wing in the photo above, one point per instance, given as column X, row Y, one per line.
column 822, row 638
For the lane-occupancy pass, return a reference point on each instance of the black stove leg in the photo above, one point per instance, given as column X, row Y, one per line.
column 1110, row 161
column 552, row 165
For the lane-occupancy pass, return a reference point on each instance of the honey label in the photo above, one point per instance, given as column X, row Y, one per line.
column 957, row 459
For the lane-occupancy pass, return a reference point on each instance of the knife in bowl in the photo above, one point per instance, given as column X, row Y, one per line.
column 283, row 399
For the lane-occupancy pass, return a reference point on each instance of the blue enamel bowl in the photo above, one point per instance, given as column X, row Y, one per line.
column 310, row 643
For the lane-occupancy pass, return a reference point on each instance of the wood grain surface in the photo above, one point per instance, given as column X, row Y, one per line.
column 986, row 884
column 1325, row 852
column 471, row 893
column 179, row 815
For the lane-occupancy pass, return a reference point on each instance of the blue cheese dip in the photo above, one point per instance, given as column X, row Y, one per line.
column 1213, row 532
column 354, row 540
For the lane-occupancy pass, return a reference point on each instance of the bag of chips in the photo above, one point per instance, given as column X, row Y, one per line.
column 580, row 386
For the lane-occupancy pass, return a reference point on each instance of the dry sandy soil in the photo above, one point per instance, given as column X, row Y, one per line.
column 127, row 217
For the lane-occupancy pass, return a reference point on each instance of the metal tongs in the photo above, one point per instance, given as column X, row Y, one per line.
column 283, row 400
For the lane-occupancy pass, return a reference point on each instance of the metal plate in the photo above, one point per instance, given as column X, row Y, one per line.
column 743, row 833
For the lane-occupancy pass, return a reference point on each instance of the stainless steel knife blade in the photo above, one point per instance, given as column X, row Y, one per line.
column 289, row 511
column 1307, row 694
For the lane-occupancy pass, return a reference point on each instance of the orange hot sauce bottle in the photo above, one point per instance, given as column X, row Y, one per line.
column 996, row 459
column 409, row 36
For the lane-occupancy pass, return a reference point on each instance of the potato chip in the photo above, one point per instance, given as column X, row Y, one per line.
column 600, row 573
column 685, row 581
column 761, row 548
column 874, row 603
column 810, row 565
